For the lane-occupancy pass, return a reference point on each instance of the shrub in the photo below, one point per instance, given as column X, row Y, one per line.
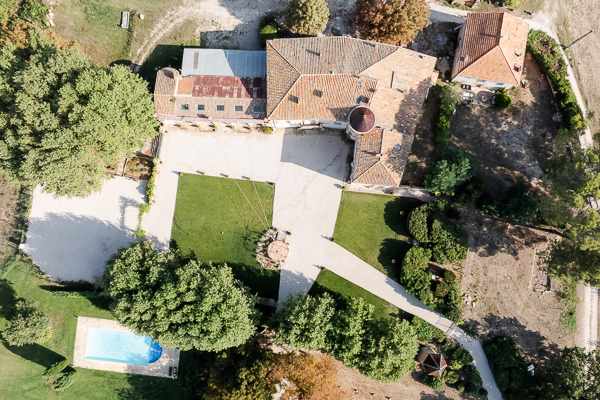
column 268, row 130
column 471, row 389
column 449, row 276
column 482, row 392
column 487, row 205
column 503, row 100
column 417, row 223
column 55, row 369
column 415, row 275
column 442, row 289
column 507, row 365
column 6, row 6
column 307, row 17
column 34, row 12
column 460, row 358
column 470, row 192
column 460, row 387
column 450, row 170
column 434, row 382
column 546, row 52
column 473, row 374
column 451, row 243
column 518, row 204
column 64, row 381
column 267, row 30
column 450, row 96
column 450, row 377
column 423, row 329
column 28, row 325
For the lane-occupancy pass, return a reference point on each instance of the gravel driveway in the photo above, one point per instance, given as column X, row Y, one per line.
column 71, row 239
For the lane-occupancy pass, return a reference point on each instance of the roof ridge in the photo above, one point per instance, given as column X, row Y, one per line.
column 291, row 86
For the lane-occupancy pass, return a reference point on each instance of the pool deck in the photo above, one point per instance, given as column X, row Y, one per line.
column 168, row 359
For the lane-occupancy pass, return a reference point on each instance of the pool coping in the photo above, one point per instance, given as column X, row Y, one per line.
column 160, row 368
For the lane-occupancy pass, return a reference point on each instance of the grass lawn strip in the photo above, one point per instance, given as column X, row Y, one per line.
column 21, row 368
column 214, row 222
column 341, row 289
column 370, row 226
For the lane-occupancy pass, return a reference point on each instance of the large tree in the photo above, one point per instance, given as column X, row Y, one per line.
column 450, row 170
column 307, row 17
column 64, row 119
column 391, row 21
column 179, row 303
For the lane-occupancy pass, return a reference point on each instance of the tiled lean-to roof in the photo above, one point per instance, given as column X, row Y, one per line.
column 493, row 47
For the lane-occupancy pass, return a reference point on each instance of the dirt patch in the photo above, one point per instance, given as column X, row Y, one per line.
column 498, row 276
column 9, row 197
column 511, row 144
column 423, row 148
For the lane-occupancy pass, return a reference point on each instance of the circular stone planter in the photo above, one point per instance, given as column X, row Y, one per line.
column 277, row 250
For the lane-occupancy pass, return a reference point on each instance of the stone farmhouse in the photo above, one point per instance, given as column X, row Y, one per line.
column 490, row 50
column 373, row 91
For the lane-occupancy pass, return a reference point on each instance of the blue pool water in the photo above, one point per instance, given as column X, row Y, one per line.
column 120, row 346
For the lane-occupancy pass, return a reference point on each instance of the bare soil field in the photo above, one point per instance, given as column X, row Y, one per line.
column 501, row 266
column 511, row 144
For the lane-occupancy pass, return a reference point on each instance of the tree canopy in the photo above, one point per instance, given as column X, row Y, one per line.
column 381, row 349
column 178, row 303
column 391, row 21
column 64, row 119
column 307, row 17
column 450, row 170
column 29, row 325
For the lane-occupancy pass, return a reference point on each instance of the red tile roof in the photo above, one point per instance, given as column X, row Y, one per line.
column 492, row 47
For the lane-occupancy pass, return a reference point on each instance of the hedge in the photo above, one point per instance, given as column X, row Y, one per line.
column 267, row 30
column 417, row 223
column 546, row 51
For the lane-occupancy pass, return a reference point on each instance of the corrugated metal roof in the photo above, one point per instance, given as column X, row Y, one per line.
column 217, row 62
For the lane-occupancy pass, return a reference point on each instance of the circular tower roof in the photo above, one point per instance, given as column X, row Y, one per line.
column 362, row 119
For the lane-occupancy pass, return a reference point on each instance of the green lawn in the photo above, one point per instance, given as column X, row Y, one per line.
column 371, row 227
column 214, row 222
column 21, row 367
column 342, row 290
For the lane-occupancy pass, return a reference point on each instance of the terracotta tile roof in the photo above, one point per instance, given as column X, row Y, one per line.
column 380, row 157
column 179, row 96
column 493, row 47
column 324, row 78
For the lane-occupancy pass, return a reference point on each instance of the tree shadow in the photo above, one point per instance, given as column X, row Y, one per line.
column 74, row 247
column 35, row 353
column 261, row 281
column 8, row 298
column 391, row 254
column 533, row 346
column 395, row 214
column 163, row 55
column 435, row 396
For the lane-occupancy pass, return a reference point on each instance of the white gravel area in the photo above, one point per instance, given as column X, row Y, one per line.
column 71, row 239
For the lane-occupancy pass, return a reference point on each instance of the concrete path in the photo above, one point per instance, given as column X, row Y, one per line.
column 340, row 261
column 590, row 312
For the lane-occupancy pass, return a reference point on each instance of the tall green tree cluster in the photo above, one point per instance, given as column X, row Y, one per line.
column 381, row 349
column 64, row 119
column 573, row 185
column 177, row 302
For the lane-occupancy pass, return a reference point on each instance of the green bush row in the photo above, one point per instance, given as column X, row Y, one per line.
column 77, row 295
column 145, row 207
column 546, row 52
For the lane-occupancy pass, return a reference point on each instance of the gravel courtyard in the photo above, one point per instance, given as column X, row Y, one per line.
column 71, row 239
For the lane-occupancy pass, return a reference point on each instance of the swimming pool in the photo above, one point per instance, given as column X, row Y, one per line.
column 120, row 346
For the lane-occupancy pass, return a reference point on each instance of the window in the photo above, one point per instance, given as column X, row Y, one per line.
column 185, row 107
column 239, row 109
column 200, row 107
column 318, row 93
column 293, row 99
column 257, row 110
column 220, row 108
